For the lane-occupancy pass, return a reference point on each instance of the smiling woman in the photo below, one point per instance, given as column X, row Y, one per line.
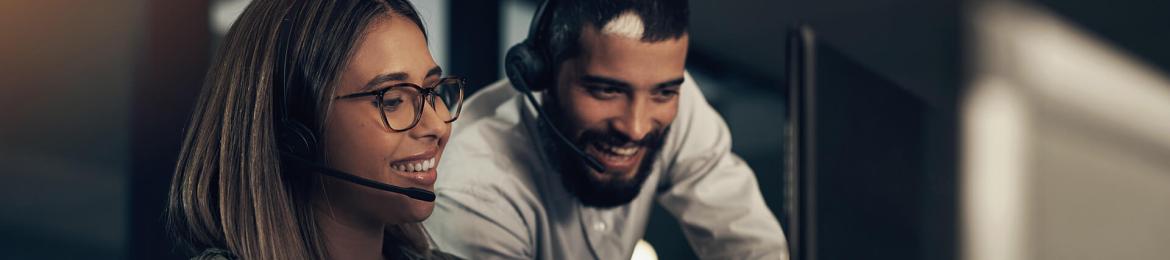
column 355, row 73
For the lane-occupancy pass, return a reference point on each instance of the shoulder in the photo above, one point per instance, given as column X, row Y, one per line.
column 490, row 152
column 697, row 126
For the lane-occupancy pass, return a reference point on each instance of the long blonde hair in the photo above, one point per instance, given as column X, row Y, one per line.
column 229, row 190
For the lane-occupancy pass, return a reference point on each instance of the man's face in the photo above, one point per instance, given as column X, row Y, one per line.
column 615, row 100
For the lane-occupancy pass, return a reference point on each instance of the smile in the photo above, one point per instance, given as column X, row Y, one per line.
column 415, row 165
column 615, row 157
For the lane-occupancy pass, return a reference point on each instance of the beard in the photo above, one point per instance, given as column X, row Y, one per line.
column 579, row 179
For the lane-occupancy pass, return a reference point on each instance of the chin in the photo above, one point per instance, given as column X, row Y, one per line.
column 610, row 176
column 624, row 174
column 418, row 210
column 401, row 210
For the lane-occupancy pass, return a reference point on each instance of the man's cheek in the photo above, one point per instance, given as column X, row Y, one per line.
column 585, row 108
column 589, row 111
column 667, row 115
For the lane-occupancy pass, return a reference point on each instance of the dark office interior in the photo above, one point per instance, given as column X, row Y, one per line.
column 96, row 95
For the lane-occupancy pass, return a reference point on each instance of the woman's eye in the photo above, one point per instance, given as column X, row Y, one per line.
column 391, row 104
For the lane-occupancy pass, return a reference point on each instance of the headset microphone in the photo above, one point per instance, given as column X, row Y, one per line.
column 589, row 160
column 528, row 62
column 297, row 142
column 414, row 193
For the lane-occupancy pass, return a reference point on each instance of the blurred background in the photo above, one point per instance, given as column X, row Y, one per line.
column 974, row 129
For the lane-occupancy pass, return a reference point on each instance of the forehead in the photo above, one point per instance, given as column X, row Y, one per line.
column 628, row 58
column 390, row 44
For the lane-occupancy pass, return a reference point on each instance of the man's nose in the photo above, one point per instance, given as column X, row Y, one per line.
column 636, row 123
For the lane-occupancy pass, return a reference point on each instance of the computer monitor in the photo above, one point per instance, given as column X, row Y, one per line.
column 857, row 179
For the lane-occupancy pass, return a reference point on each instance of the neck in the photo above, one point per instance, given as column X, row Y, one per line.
column 350, row 237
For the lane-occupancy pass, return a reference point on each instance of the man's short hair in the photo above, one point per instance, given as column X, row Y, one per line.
column 659, row 20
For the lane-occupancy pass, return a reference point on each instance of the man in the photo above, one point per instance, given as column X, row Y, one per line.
column 618, row 91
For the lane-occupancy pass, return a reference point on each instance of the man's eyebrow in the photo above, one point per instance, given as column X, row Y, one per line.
column 671, row 83
column 594, row 79
column 436, row 71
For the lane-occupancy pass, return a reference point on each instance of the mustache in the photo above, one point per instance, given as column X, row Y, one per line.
column 654, row 139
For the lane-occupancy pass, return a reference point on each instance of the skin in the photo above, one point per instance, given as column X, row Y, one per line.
column 353, row 217
column 623, row 85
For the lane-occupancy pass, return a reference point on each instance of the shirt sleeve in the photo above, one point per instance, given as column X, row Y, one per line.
column 465, row 225
column 480, row 213
column 713, row 193
column 478, row 224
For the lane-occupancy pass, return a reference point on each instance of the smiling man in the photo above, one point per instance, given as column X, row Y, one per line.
column 617, row 89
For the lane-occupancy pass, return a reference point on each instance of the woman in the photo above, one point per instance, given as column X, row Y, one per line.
column 301, row 88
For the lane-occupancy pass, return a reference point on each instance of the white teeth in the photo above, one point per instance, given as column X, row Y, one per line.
column 622, row 151
column 417, row 166
column 626, row 151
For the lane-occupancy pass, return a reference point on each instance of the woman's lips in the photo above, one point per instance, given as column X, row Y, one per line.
column 419, row 168
column 424, row 179
column 414, row 165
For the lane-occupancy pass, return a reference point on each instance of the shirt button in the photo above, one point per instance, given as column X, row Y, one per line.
column 599, row 226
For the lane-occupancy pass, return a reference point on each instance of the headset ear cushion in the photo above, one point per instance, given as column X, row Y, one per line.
column 524, row 63
column 297, row 139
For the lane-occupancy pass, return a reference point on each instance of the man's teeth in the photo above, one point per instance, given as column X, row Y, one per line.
column 415, row 166
column 628, row 151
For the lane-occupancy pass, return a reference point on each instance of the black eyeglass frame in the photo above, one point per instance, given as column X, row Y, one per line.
column 426, row 94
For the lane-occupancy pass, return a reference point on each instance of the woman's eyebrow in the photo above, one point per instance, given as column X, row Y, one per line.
column 378, row 80
column 397, row 76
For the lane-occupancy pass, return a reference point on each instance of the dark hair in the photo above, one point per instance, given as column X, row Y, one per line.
column 662, row 20
column 229, row 189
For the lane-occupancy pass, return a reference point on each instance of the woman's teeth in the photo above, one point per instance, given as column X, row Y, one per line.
column 415, row 166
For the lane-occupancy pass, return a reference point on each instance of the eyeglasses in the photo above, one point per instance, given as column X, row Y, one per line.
column 402, row 104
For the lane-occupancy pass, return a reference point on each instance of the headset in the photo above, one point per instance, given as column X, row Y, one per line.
column 528, row 64
column 298, row 144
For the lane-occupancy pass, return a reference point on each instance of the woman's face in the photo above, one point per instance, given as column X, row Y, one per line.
column 392, row 51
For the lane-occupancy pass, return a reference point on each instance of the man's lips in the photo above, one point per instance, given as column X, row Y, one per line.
column 615, row 158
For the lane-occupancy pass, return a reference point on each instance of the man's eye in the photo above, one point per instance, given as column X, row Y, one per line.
column 667, row 93
column 604, row 92
column 664, row 95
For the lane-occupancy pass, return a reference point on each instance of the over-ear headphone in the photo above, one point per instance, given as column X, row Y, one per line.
column 527, row 65
column 530, row 61
column 293, row 136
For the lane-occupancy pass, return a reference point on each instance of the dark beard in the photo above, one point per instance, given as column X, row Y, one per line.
column 576, row 176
